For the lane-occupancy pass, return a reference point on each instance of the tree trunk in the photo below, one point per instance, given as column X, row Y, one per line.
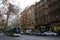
column 6, row 26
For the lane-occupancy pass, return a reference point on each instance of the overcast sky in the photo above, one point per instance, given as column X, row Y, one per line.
column 23, row 3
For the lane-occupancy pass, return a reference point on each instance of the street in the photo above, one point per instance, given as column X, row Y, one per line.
column 28, row 37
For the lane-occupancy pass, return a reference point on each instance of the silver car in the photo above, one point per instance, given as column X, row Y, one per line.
column 50, row 33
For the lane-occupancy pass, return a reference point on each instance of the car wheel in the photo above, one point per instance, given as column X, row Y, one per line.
column 40, row 34
column 52, row 34
column 44, row 34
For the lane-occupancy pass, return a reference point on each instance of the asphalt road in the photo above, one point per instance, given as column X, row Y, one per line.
column 28, row 37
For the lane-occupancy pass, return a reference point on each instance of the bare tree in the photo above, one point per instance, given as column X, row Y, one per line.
column 11, row 10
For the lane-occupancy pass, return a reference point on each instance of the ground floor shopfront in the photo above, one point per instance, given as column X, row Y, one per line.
column 53, row 27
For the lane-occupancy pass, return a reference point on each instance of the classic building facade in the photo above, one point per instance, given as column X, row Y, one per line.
column 43, row 16
column 30, row 17
column 23, row 20
column 27, row 18
column 47, row 14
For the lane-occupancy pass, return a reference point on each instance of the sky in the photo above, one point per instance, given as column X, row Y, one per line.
column 23, row 3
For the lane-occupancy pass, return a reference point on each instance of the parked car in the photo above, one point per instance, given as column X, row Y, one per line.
column 50, row 33
column 39, row 33
column 29, row 32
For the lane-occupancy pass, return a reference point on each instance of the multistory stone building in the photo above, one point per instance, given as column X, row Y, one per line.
column 23, row 20
column 54, row 14
column 47, row 14
column 28, row 19
column 43, row 16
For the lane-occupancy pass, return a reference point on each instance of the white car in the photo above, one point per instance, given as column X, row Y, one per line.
column 29, row 31
column 16, row 34
column 38, row 33
column 50, row 33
